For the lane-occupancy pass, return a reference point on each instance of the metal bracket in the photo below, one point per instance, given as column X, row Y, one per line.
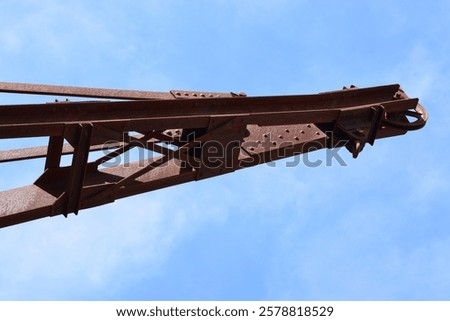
column 359, row 127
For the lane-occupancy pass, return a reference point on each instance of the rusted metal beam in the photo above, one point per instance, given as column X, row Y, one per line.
column 123, row 94
column 71, row 91
column 48, row 151
column 78, row 168
column 182, row 136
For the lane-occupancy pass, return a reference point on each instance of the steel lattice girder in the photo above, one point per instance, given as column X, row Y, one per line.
column 187, row 136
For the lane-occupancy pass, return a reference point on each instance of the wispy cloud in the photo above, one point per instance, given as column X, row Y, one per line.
column 372, row 230
column 81, row 256
column 363, row 257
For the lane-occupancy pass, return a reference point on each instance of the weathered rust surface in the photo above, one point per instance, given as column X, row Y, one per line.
column 35, row 89
column 181, row 136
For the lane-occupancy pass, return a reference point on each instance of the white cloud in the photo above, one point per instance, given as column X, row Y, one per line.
column 335, row 229
column 82, row 256
column 10, row 40
column 429, row 183
column 420, row 73
column 62, row 36
column 363, row 257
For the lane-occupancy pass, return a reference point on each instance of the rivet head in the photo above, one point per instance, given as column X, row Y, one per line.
column 359, row 132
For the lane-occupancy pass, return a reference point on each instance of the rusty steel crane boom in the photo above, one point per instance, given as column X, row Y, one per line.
column 186, row 135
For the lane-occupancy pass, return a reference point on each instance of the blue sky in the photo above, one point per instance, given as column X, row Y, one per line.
column 377, row 229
